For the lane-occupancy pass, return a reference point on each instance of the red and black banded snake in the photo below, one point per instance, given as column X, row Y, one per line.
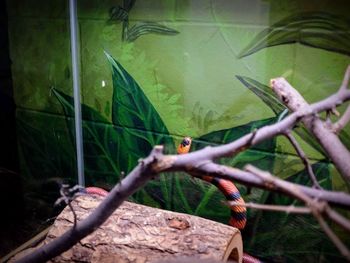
column 238, row 213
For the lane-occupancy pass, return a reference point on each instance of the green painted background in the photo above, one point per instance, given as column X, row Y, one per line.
column 195, row 77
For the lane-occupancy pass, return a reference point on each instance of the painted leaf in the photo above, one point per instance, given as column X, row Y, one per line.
column 261, row 154
column 118, row 14
column 316, row 29
column 139, row 129
column 133, row 112
column 266, row 94
column 143, row 28
column 128, row 4
column 100, row 142
column 45, row 147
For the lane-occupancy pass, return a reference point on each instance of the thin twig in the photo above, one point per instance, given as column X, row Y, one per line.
column 330, row 142
column 341, row 123
column 137, row 178
column 67, row 195
column 201, row 162
column 304, row 158
column 336, row 241
column 316, row 207
column 328, row 120
column 337, row 218
column 210, row 168
column 250, row 141
column 346, row 79
column 74, row 214
column 270, row 131
column 278, row 208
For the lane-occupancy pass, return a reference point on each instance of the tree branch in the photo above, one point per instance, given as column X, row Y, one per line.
column 233, row 174
column 346, row 79
column 277, row 208
column 341, row 123
column 336, row 241
column 137, row 178
column 304, row 158
column 201, row 163
column 315, row 206
column 325, row 136
column 270, row 131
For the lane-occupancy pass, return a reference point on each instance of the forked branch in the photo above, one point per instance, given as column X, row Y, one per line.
column 201, row 163
column 317, row 208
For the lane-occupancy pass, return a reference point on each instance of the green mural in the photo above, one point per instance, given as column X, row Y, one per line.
column 121, row 14
column 181, row 68
column 113, row 148
column 314, row 29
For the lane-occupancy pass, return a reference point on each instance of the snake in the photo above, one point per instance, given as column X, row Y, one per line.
column 238, row 217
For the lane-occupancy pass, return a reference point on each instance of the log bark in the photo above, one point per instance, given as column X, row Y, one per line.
column 138, row 233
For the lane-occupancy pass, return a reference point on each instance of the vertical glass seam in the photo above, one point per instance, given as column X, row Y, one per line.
column 76, row 88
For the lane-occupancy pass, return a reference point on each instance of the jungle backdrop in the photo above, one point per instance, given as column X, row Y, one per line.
column 155, row 71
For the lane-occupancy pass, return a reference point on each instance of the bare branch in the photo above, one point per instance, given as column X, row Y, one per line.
column 341, row 123
column 325, row 136
column 316, row 207
column 304, row 158
column 221, row 171
column 137, row 178
column 346, row 79
column 338, row 218
column 278, row 208
column 336, row 241
column 201, row 163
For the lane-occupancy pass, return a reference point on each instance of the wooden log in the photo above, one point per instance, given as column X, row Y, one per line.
column 138, row 233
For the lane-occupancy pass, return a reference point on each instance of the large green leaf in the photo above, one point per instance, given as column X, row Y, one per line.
column 140, row 128
column 44, row 145
column 131, row 110
column 266, row 94
column 261, row 155
column 316, row 29
column 118, row 14
column 121, row 13
column 100, row 142
column 231, row 134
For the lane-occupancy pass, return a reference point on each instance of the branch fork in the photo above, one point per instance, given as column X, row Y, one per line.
column 201, row 163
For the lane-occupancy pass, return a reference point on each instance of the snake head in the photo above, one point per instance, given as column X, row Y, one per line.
column 186, row 141
column 184, row 146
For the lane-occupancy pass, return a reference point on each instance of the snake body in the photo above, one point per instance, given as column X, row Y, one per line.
column 93, row 190
column 238, row 213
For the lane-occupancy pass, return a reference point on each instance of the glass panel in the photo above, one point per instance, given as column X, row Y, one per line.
column 38, row 47
column 155, row 71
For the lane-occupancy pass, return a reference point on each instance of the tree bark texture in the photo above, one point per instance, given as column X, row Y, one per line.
column 330, row 142
column 138, row 233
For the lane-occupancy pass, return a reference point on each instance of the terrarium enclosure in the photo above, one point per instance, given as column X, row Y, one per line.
column 151, row 72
